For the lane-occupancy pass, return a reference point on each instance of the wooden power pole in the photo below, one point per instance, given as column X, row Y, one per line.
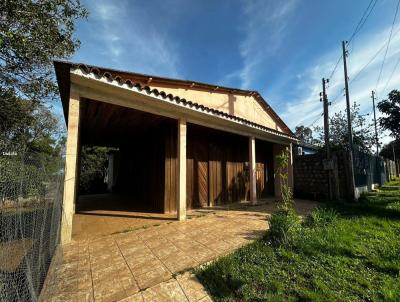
column 349, row 128
column 324, row 99
column 376, row 131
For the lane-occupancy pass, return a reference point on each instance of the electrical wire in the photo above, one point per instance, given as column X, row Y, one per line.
column 391, row 75
column 334, row 68
column 363, row 20
column 352, row 79
column 336, row 98
column 367, row 12
column 316, row 120
column 388, row 44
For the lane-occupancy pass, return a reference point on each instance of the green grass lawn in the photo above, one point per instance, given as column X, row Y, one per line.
column 355, row 257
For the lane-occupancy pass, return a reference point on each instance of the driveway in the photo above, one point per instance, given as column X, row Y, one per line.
column 154, row 263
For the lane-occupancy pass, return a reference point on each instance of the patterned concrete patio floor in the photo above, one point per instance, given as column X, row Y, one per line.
column 154, row 264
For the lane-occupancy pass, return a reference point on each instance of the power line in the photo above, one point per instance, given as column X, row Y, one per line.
column 360, row 24
column 363, row 19
column 316, row 120
column 319, row 116
column 352, row 79
column 388, row 44
column 366, row 65
column 336, row 98
column 391, row 75
column 334, row 68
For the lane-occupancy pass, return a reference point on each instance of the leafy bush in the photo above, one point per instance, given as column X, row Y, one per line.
column 321, row 217
column 286, row 203
column 284, row 225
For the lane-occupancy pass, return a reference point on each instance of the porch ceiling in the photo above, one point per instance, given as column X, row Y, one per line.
column 106, row 124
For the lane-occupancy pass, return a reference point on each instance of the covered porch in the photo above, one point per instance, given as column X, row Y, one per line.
column 173, row 156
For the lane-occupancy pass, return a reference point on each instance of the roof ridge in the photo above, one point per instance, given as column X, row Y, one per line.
column 157, row 77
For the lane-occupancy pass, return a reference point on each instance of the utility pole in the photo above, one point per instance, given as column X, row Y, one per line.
column 324, row 99
column 376, row 131
column 396, row 171
column 349, row 128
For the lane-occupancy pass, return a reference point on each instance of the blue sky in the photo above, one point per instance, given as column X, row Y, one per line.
column 280, row 48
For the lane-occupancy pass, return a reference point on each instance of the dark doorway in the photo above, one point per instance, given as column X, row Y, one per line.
column 135, row 143
column 264, row 169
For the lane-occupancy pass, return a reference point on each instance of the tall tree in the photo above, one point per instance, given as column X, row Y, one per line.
column 363, row 135
column 304, row 134
column 32, row 34
column 391, row 110
column 387, row 150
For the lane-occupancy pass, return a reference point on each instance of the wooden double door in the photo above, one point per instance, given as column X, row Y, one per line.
column 217, row 169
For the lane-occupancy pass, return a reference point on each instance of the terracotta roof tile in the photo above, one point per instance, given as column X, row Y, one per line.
column 97, row 71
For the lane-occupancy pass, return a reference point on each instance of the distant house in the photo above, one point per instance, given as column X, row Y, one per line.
column 303, row 148
column 181, row 144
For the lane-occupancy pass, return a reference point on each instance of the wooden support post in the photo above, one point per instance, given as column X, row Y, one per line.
column 71, row 168
column 252, row 169
column 181, row 183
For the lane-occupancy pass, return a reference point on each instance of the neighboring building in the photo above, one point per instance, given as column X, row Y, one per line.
column 182, row 144
column 303, row 148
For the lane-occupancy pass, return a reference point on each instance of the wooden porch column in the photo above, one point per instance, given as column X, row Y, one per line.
column 252, row 169
column 71, row 168
column 181, row 183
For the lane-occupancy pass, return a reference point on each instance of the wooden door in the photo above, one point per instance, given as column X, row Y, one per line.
column 260, row 179
column 202, row 168
column 215, row 175
column 200, row 174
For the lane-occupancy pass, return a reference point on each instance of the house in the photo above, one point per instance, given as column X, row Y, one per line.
column 304, row 148
column 181, row 144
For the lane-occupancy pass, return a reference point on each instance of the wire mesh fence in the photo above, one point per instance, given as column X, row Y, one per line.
column 368, row 169
column 31, row 187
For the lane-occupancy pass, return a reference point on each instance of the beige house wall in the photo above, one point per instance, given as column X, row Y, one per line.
column 244, row 106
column 71, row 167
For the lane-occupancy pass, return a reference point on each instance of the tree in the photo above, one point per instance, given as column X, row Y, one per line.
column 387, row 150
column 31, row 127
column 33, row 34
column 304, row 134
column 93, row 164
column 363, row 134
column 391, row 110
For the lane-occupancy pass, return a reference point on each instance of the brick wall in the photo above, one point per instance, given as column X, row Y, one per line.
column 311, row 179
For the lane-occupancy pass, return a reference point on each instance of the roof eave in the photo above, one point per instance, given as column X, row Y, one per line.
column 168, row 98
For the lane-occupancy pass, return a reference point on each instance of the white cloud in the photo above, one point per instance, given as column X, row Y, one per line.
column 127, row 38
column 305, row 108
column 262, row 19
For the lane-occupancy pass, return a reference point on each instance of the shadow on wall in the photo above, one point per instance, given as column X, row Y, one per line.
column 231, row 104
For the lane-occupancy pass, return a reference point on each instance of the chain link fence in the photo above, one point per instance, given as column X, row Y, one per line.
column 31, row 188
